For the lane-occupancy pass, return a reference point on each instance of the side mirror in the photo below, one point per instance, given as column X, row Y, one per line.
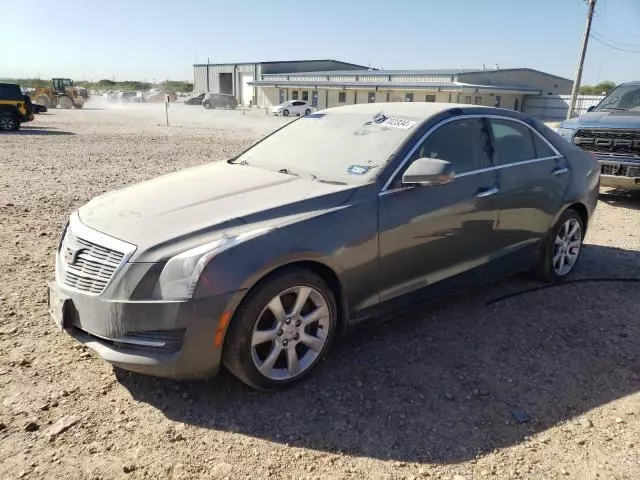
column 429, row 171
column 591, row 108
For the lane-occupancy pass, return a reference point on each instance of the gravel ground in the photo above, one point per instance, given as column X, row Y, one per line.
column 433, row 394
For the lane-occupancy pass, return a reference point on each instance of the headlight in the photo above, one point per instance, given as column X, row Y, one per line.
column 565, row 132
column 181, row 273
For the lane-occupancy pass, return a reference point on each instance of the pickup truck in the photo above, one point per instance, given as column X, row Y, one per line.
column 611, row 130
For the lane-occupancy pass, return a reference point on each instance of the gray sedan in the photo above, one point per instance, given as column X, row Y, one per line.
column 346, row 215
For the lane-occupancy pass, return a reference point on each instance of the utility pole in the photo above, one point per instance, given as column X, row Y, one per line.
column 583, row 51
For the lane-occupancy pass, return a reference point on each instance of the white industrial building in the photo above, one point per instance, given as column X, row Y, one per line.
column 329, row 83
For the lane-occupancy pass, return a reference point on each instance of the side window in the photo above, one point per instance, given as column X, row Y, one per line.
column 512, row 142
column 542, row 148
column 462, row 142
column 298, row 104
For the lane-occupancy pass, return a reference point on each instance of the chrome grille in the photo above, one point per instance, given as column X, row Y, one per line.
column 87, row 266
column 609, row 143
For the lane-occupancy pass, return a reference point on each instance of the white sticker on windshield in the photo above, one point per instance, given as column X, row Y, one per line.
column 398, row 123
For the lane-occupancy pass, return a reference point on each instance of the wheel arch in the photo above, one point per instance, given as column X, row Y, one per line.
column 581, row 210
column 324, row 271
column 579, row 207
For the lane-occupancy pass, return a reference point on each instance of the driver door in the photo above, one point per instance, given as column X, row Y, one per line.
column 432, row 233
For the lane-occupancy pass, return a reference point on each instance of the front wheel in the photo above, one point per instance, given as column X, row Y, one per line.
column 285, row 113
column 65, row 102
column 43, row 100
column 207, row 106
column 562, row 248
column 283, row 329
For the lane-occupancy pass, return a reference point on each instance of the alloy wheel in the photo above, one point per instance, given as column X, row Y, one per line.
column 567, row 247
column 290, row 333
column 7, row 122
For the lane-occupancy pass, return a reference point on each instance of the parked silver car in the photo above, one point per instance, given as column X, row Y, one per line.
column 340, row 217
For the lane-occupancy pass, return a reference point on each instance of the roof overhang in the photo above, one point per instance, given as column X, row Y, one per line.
column 441, row 87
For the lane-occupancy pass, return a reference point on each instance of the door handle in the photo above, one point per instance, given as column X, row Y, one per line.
column 486, row 192
column 559, row 170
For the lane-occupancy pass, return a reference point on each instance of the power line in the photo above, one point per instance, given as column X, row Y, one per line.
column 611, row 40
column 626, row 50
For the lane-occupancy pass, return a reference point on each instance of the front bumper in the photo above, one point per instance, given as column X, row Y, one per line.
column 162, row 338
column 619, row 173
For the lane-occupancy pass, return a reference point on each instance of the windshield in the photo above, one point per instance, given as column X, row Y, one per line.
column 625, row 97
column 335, row 145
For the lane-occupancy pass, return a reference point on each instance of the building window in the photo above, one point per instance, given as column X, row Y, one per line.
column 294, row 95
column 516, row 105
column 342, row 97
column 372, row 97
column 467, row 99
column 497, row 101
column 432, row 98
column 478, row 101
column 305, row 96
column 408, row 97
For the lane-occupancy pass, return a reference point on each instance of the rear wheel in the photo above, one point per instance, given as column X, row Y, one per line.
column 307, row 112
column 65, row 102
column 562, row 248
column 283, row 329
column 9, row 122
column 207, row 105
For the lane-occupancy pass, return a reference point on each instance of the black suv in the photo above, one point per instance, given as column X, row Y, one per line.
column 15, row 108
column 219, row 100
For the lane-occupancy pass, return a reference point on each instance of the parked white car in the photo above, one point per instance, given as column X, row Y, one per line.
column 292, row 107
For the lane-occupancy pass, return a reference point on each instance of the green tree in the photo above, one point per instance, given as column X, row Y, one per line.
column 599, row 89
column 605, row 87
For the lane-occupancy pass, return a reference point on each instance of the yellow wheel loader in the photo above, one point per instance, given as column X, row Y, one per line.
column 61, row 93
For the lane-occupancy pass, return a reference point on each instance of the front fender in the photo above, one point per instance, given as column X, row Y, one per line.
column 345, row 240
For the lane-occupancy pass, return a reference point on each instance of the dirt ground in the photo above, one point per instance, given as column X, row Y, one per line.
column 434, row 394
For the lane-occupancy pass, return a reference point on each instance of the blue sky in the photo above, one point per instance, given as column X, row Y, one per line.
column 162, row 39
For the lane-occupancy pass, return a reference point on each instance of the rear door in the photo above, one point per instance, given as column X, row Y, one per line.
column 532, row 177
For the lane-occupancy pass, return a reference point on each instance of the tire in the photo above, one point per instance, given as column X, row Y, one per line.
column 9, row 122
column 285, row 113
column 65, row 102
column 43, row 100
column 560, row 251
column 307, row 112
column 207, row 106
column 259, row 348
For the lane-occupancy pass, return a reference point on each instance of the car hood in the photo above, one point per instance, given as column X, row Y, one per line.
column 171, row 213
column 605, row 119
